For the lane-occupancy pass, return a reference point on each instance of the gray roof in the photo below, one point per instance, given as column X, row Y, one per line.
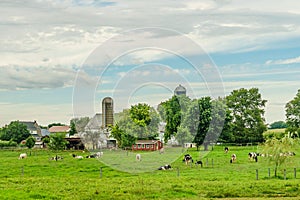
column 30, row 125
column 45, row 132
column 95, row 122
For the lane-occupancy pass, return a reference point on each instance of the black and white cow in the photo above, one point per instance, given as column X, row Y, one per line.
column 253, row 156
column 187, row 159
column 233, row 158
column 226, row 149
column 199, row 163
column 77, row 157
column 166, row 167
column 56, row 158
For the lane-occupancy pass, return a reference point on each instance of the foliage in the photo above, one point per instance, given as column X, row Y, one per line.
column 127, row 124
column 275, row 148
column 140, row 114
column 183, row 135
column 274, row 133
column 123, row 139
column 73, row 130
column 30, row 141
column 204, row 118
column 55, row 124
column 7, row 144
column 92, row 137
column 15, row 131
column 247, row 110
column 172, row 109
column 57, row 141
column 278, row 125
column 292, row 109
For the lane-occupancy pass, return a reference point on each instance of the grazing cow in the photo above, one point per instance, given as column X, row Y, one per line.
column 253, row 156
column 138, row 157
column 95, row 155
column 233, row 158
column 226, row 149
column 166, row 167
column 199, row 163
column 287, row 154
column 187, row 159
column 77, row 157
column 22, row 155
column 56, row 158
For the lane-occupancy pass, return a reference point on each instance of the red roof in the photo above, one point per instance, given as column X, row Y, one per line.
column 56, row 129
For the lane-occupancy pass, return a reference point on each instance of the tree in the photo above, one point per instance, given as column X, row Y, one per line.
column 292, row 110
column 15, row 131
column 57, row 141
column 247, row 110
column 183, row 135
column 274, row 149
column 140, row 114
column 124, row 140
column 30, row 141
column 278, row 125
column 55, row 124
column 73, row 130
column 204, row 118
column 173, row 117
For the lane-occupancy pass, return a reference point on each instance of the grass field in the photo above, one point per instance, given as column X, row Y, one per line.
column 123, row 177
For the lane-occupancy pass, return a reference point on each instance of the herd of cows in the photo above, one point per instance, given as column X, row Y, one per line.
column 187, row 158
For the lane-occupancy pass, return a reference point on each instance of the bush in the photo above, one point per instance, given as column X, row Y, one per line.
column 7, row 144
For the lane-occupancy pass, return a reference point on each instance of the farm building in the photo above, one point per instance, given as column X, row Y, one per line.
column 147, row 145
column 74, row 143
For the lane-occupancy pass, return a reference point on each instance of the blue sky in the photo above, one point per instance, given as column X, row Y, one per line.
column 54, row 54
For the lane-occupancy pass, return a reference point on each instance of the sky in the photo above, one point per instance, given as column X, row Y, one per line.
column 59, row 59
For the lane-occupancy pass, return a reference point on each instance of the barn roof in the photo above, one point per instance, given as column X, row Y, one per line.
column 146, row 141
column 57, row 129
column 95, row 122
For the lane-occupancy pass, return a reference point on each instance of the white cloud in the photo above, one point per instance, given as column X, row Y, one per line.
column 284, row 61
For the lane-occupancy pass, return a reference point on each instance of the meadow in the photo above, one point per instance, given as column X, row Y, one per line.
column 117, row 175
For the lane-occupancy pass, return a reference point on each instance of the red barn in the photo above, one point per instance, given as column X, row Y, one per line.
column 147, row 145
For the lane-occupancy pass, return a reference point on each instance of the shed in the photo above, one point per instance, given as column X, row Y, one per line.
column 147, row 145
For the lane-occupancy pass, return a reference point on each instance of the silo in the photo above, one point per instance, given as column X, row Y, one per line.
column 107, row 112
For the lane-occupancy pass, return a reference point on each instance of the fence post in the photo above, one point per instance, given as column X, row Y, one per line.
column 177, row 171
column 100, row 172
column 206, row 162
column 256, row 174
column 269, row 172
column 212, row 163
column 284, row 171
column 295, row 171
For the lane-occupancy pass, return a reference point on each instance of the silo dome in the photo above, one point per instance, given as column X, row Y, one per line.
column 180, row 90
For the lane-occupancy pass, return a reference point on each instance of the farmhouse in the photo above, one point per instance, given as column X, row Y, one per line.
column 59, row 129
column 147, row 145
column 35, row 132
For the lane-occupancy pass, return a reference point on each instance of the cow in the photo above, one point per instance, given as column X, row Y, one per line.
column 162, row 150
column 56, row 158
column 253, row 156
column 22, row 155
column 226, row 149
column 199, row 163
column 77, row 157
column 187, row 159
column 138, row 157
column 287, row 154
column 95, row 155
column 233, row 158
column 166, row 167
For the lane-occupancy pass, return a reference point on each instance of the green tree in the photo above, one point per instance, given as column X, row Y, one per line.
column 173, row 117
column 57, row 141
column 124, row 140
column 55, row 124
column 292, row 110
column 15, row 131
column 183, row 135
column 278, row 125
column 204, row 119
column 274, row 149
column 30, row 141
column 140, row 114
column 247, row 110
column 73, row 130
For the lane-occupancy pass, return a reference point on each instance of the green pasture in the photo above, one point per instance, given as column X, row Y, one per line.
column 117, row 175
